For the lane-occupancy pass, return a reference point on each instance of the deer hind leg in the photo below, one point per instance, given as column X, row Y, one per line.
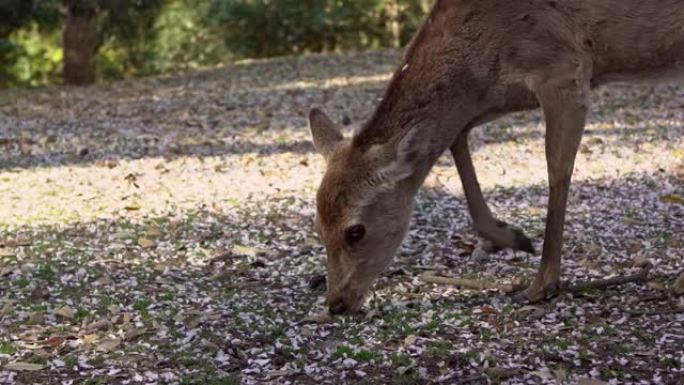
column 488, row 227
column 564, row 102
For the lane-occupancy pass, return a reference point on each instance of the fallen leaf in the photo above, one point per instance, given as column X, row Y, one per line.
column 320, row 318
column 54, row 342
column 672, row 199
column 641, row 261
column 132, row 207
column 488, row 310
column 35, row 318
column 7, row 309
column 655, row 285
column 561, row 374
column 89, row 339
column 193, row 321
column 591, row 381
column 65, row 312
column 678, row 286
column 145, row 243
column 108, row 345
column 410, row 340
column 135, row 333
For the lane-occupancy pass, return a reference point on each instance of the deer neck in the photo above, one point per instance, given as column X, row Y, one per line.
column 439, row 87
column 439, row 109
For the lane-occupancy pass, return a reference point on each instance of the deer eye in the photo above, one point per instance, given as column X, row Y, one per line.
column 354, row 234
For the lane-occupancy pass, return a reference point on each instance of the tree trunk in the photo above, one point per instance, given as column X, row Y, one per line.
column 425, row 5
column 79, row 41
column 394, row 23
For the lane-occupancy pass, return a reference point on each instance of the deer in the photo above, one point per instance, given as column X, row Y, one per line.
column 471, row 62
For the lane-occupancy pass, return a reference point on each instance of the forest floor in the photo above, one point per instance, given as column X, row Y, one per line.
column 160, row 231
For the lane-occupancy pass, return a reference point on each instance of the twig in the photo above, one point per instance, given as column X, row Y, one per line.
column 641, row 276
column 468, row 283
column 675, row 310
column 471, row 379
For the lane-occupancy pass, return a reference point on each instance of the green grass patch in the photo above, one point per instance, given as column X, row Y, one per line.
column 439, row 349
column 7, row 348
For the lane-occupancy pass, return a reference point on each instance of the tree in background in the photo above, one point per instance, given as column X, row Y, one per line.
column 99, row 39
column 80, row 41
column 119, row 29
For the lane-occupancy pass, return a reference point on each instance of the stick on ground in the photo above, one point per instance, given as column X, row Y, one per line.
column 603, row 284
column 476, row 284
column 473, row 284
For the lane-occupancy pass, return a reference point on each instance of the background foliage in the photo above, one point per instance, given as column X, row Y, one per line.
column 139, row 37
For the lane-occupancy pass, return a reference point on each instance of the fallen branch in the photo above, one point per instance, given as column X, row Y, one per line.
column 601, row 284
column 476, row 284
column 466, row 283
column 675, row 310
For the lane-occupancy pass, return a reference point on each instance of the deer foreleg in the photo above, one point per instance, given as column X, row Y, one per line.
column 564, row 103
column 488, row 227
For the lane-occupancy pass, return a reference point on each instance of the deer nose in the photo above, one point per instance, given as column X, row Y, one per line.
column 337, row 307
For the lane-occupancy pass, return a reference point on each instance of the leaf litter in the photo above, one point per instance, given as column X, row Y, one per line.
column 160, row 231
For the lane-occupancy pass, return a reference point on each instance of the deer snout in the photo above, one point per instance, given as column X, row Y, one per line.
column 337, row 307
column 344, row 304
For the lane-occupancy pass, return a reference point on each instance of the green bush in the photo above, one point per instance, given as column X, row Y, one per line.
column 140, row 37
column 258, row 28
column 185, row 39
column 33, row 57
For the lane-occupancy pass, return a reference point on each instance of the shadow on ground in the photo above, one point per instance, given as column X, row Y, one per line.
column 209, row 296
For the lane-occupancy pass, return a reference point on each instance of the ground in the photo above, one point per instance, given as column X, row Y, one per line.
column 159, row 231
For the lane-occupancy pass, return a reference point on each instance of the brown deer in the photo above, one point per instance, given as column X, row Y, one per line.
column 471, row 62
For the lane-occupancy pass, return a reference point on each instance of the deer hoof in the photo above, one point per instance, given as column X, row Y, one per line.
column 510, row 237
column 535, row 294
column 522, row 243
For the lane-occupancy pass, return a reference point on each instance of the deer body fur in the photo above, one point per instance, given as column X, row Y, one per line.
column 471, row 62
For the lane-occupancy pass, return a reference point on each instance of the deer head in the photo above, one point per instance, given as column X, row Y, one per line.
column 364, row 204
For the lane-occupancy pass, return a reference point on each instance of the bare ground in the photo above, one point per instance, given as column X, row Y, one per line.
column 159, row 231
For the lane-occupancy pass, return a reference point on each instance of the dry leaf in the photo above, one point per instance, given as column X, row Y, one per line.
column 192, row 321
column 591, row 381
column 410, row 340
column 678, row 286
column 89, row 339
column 488, row 310
column 108, row 345
column 65, row 312
column 35, row 318
column 135, row 333
column 321, row 318
column 7, row 309
column 655, row 285
column 641, row 261
column 672, row 199
column 132, row 207
column 54, row 342
column 145, row 243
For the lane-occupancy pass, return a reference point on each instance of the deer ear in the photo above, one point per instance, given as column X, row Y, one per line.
column 409, row 153
column 326, row 135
